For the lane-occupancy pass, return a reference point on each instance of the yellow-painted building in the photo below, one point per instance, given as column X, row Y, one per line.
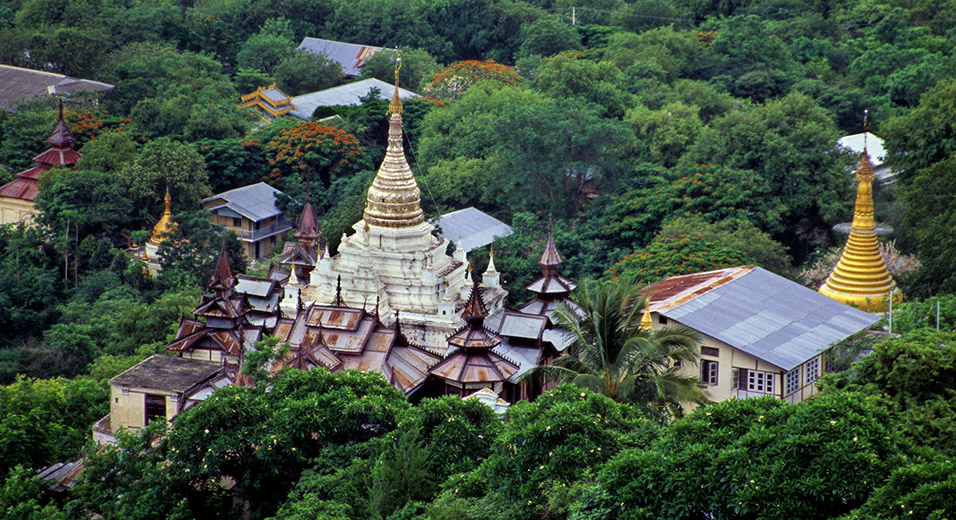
column 157, row 389
column 762, row 335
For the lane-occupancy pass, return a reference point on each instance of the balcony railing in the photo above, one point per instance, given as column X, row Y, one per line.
column 258, row 234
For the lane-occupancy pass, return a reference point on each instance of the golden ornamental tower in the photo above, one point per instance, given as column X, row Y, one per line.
column 394, row 199
column 860, row 278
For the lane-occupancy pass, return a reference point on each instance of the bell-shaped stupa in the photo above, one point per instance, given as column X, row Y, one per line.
column 860, row 278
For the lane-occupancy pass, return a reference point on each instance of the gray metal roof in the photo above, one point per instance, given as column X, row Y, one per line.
column 350, row 56
column 349, row 94
column 255, row 202
column 475, row 228
column 19, row 84
column 771, row 318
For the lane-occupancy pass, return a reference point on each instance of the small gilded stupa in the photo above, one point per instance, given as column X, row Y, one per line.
column 860, row 278
column 160, row 232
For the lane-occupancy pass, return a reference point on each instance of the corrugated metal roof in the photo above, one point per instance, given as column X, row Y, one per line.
column 256, row 201
column 766, row 316
column 19, row 84
column 349, row 94
column 350, row 56
column 475, row 228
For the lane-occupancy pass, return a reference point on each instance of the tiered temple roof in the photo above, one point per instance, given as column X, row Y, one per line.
column 270, row 103
column 60, row 153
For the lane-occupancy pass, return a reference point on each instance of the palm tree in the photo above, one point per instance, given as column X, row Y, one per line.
column 611, row 354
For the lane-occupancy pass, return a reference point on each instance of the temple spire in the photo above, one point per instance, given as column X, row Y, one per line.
column 223, row 280
column 860, row 278
column 394, row 199
column 165, row 224
column 60, row 137
column 307, row 227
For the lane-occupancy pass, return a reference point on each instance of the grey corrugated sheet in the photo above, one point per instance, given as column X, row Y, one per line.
column 256, row 201
column 475, row 228
column 518, row 326
column 348, row 55
column 526, row 358
column 771, row 318
column 19, row 84
column 344, row 95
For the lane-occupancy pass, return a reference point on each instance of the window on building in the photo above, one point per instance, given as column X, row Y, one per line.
column 710, row 351
column 236, row 222
column 813, row 370
column 793, row 381
column 758, row 381
column 661, row 319
column 155, row 408
column 735, row 378
column 708, row 371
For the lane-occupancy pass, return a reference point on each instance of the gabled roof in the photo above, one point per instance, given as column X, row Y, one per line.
column 758, row 312
column 474, row 227
column 350, row 94
column 350, row 56
column 255, row 202
column 19, row 84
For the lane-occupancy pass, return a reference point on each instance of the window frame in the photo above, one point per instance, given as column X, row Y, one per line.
column 791, row 381
column 709, row 371
column 813, row 370
column 760, row 382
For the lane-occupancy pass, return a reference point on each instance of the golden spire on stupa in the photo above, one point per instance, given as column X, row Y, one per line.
column 860, row 278
column 646, row 322
column 394, row 199
column 165, row 224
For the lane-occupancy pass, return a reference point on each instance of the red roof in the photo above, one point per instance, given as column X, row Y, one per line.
column 58, row 157
column 20, row 188
column 677, row 290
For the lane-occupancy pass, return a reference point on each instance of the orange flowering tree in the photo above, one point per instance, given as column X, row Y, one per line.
column 451, row 82
column 666, row 257
column 314, row 152
column 88, row 123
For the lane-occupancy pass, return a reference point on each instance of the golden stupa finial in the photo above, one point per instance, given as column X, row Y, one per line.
column 866, row 112
column 395, row 107
column 165, row 224
column 646, row 322
column 860, row 277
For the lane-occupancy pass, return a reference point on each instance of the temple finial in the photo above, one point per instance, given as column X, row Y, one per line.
column 338, row 292
column 395, row 107
column 866, row 112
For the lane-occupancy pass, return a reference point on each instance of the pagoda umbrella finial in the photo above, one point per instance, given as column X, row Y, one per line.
column 866, row 112
column 395, row 107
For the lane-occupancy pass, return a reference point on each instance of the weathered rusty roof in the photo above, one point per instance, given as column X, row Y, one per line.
column 552, row 284
column 550, row 256
column 466, row 366
column 307, row 227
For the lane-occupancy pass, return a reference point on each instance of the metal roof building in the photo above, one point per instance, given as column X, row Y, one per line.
column 473, row 227
column 758, row 312
column 350, row 56
column 349, row 94
column 19, row 84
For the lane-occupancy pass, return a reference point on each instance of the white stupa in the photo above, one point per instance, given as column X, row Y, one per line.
column 393, row 260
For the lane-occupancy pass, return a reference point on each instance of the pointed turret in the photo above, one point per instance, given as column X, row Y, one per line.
column 223, row 280
column 491, row 277
column 551, row 286
column 860, row 278
column 61, row 137
column 307, row 229
column 475, row 335
column 394, row 199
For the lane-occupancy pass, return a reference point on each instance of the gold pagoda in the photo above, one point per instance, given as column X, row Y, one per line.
column 860, row 278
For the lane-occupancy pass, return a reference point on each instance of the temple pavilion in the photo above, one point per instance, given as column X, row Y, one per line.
column 394, row 259
column 17, row 197
column 860, row 278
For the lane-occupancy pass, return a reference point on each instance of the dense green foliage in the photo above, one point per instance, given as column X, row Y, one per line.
column 640, row 123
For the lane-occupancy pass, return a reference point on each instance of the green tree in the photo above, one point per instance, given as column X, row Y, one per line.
column 270, row 46
column 24, row 135
column 418, row 68
column 190, row 254
column 601, row 83
column 735, row 235
column 612, row 355
column 163, row 163
column 90, row 201
column 665, row 257
column 303, row 72
column 547, row 37
column 784, row 154
column 665, row 134
column 109, row 152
